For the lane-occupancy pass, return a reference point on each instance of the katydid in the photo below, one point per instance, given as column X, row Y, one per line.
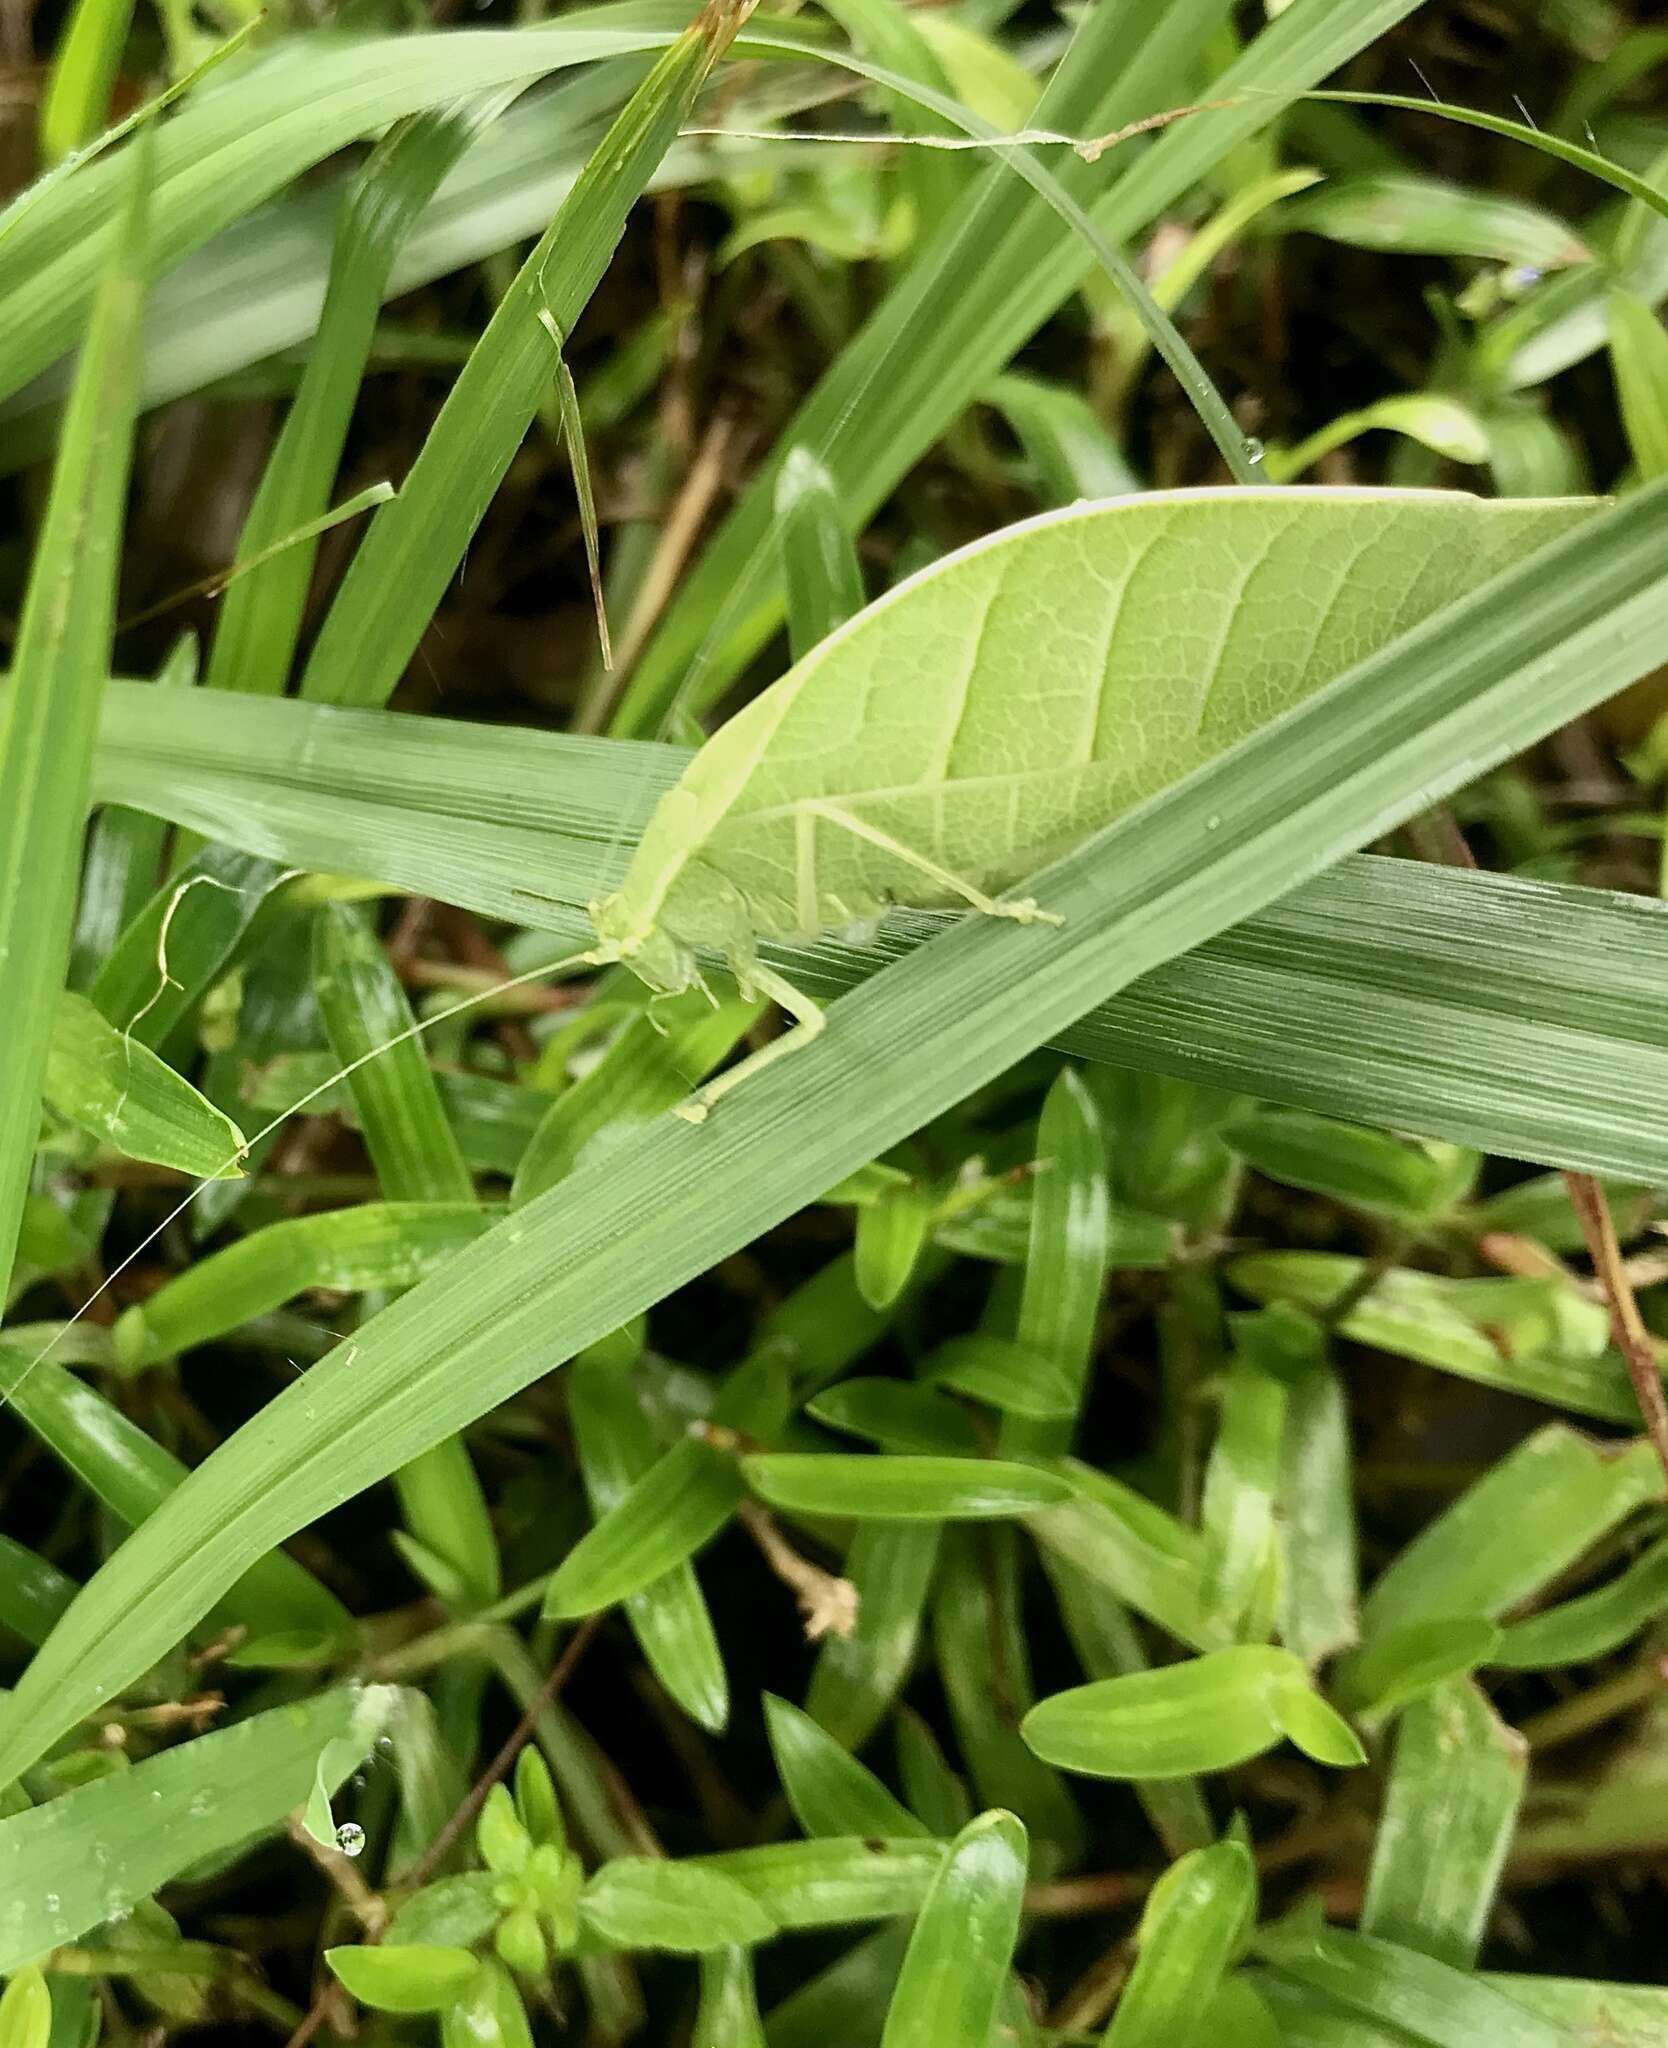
column 1012, row 699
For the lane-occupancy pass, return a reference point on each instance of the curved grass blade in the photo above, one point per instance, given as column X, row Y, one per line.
column 376, row 1245
column 119, row 1090
column 669, row 1615
column 831, row 1793
column 231, row 148
column 957, row 1963
column 1456, row 695
column 857, row 1677
column 1195, row 1920
column 131, row 1475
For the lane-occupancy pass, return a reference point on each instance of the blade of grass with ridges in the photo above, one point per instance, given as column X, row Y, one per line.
column 260, row 621
column 1475, row 1007
column 417, row 1159
column 60, row 662
column 237, row 142
column 415, row 544
column 1473, row 685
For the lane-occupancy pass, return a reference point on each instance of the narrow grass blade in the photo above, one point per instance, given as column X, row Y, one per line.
column 856, row 1678
column 1193, row 1923
column 1458, row 1776
column 830, row 1792
column 59, row 664
column 33, row 1592
column 119, row 1090
column 95, row 1851
column 84, row 68
column 417, row 1159
column 832, row 1882
column 131, row 1475
column 1066, row 1259
column 415, row 544
column 728, row 2016
column 1475, row 684
column 254, row 641
column 376, row 1245
column 232, row 147
column 957, row 1963
column 1473, row 1558
column 1582, row 1630
column 984, row 1665
column 182, row 942
column 1437, row 2005
column 669, row 1615
column 820, row 572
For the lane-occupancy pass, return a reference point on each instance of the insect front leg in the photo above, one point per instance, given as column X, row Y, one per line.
column 808, row 1021
column 1021, row 911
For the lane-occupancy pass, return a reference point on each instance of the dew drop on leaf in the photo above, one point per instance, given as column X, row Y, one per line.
column 350, row 1838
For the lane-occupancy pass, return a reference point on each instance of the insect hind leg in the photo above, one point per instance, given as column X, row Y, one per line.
column 1021, row 910
column 808, row 1021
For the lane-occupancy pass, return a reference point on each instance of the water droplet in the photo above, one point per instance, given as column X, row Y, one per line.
column 1252, row 449
column 350, row 1838
column 52, row 1902
column 1212, row 822
column 1523, row 277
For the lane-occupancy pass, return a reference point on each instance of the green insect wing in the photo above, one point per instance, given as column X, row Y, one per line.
column 1014, row 698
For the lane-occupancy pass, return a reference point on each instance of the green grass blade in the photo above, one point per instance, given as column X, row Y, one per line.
column 234, row 145
column 1473, row 1559
column 1471, row 686
column 84, row 68
column 856, row 1678
column 415, row 544
column 59, row 665
column 1066, row 1262
column 97, row 1850
column 958, row 1957
column 119, row 1090
column 1346, row 997
column 33, row 1592
column 669, row 1615
column 254, row 642
column 831, row 1793
column 1193, row 1923
column 129, row 1473
column 1458, row 1776
column 417, row 1159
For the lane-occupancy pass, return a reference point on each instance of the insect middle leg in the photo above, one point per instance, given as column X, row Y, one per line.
column 1022, row 910
column 808, row 1021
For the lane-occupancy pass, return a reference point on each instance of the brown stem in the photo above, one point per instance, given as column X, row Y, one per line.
column 1627, row 1326
column 473, row 1800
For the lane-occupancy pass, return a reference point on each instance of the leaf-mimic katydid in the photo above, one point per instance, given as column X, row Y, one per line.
column 1008, row 701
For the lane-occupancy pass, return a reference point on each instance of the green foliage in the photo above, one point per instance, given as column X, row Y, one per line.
column 1139, row 1344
